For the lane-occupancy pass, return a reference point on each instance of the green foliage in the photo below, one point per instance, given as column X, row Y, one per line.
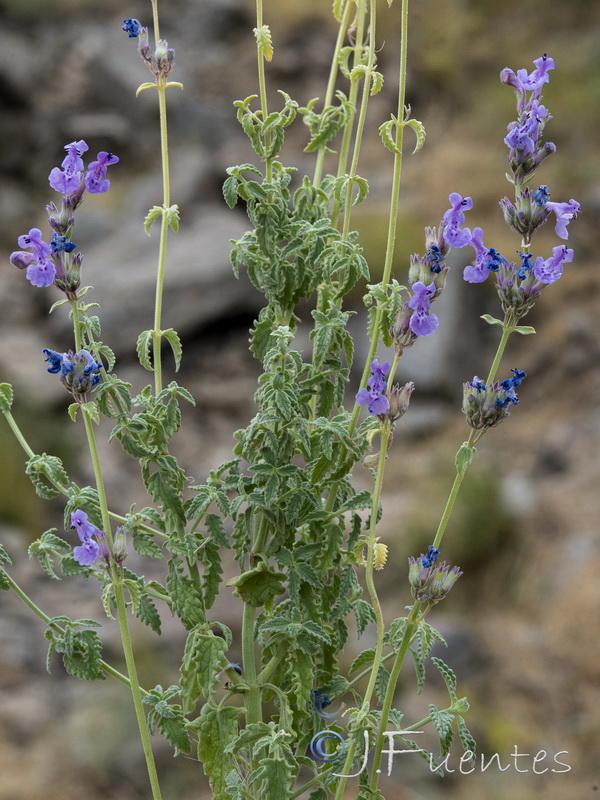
column 216, row 727
column 46, row 473
column 203, row 659
column 6, row 396
column 80, row 649
column 168, row 718
column 47, row 547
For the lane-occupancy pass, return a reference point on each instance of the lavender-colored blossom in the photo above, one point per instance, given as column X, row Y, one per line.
column 95, row 178
column 523, row 135
column 378, row 377
column 376, row 402
column 454, row 218
column 565, row 212
column 422, row 322
column 89, row 550
column 550, row 270
column 486, row 260
column 536, row 79
column 68, row 179
column 431, row 582
column 374, row 395
column 40, row 271
column 131, row 27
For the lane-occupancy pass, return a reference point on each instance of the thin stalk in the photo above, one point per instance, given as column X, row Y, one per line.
column 369, row 580
column 331, row 84
column 262, row 89
column 64, row 490
column 55, row 627
column 253, row 695
column 162, row 250
column 116, row 578
column 76, row 324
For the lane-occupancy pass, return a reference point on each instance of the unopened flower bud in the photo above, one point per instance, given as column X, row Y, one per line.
column 120, row 545
column 399, row 400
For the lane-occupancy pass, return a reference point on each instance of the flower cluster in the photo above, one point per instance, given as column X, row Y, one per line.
column 431, row 580
column 427, row 274
column 79, row 372
column 519, row 283
column 486, row 406
column 53, row 262
column 93, row 541
column 161, row 61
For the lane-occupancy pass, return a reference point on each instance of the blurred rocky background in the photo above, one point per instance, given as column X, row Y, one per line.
column 523, row 624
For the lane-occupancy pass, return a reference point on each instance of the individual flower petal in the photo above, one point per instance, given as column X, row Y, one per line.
column 550, row 270
column 565, row 212
column 376, row 402
column 41, row 273
column 68, row 179
column 422, row 323
column 95, row 178
column 454, row 218
column 86, row 553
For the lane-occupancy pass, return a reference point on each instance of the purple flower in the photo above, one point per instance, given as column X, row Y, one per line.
column 374, row 396
column 565, row 212
column 131, row 27
column 536, row 79
column 89, row 550
column 40, row 270
column 454, row 218
column 550, row 270
column 376, row 402
column 422, row 322
column 378, row 377
column 68, row 180
column 95, row 177
column 524, row 136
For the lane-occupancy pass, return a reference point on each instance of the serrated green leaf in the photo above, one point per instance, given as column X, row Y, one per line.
column 143, row 350
column 154, row 213
column 264, row 42
column 448, row 676
column 386, row 131
column 173, row 339
column 45, row 548
column 203, row 659
column 173, row 217
column 258, row 585
column 216, row 728
column 81, row 654
column 419, row 130
column 72, row 411
column 230, row 194
column 467, row 740
column 362, row 660
column 6, row 396
column 46, row 472
column 147, row 612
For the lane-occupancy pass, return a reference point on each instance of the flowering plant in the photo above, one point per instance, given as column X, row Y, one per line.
column 304, row 538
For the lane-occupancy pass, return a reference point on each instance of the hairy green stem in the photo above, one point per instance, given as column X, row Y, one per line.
column 253, row 695
column 114, row 673
column 343, row 27
column 122, row 612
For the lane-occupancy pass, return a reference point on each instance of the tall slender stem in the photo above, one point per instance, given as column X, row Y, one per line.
column 117, row 581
